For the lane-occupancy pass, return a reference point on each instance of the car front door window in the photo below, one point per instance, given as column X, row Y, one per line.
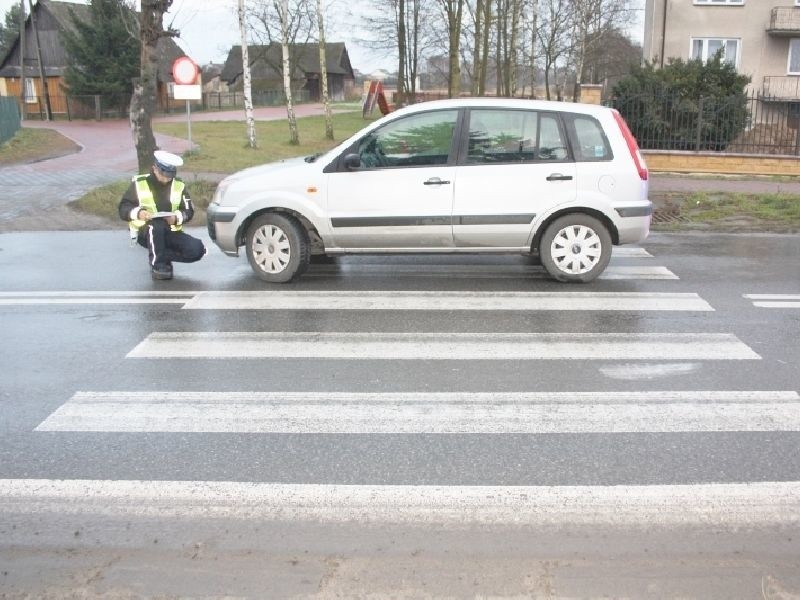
column 416, row 141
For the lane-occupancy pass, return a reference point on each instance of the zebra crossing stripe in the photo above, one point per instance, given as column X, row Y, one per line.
column 774, row 300
column 94, row 297
column 483, row 271
column 731, row 505
column 444, row 346
column 414, row 413
column 440, row 300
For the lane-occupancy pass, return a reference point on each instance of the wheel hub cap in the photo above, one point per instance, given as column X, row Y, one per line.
column 271, row 249
column 576, row 249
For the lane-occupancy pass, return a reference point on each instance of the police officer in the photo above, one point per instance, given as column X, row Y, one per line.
column 156, row 206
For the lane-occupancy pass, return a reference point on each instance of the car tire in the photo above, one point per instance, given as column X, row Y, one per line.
column 277, row 248
column 575, row 248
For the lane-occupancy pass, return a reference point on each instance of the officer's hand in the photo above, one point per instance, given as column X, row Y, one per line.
column 172, row 220
column 144, row 215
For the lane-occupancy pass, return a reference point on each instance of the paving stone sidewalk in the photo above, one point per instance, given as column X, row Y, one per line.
column 35, row 196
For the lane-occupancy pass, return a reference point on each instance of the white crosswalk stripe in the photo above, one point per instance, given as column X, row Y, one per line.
column 357, row 269
column 750, row 504
column 377, row 300
column 444, row 346
column 344, row 413
column 439, row 300
column 774, row 300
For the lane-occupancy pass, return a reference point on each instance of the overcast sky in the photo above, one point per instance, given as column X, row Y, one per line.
column 210, row 27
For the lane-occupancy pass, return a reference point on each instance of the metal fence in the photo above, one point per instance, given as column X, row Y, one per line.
column 111, row 106
column 9, row 118
column 741, row 124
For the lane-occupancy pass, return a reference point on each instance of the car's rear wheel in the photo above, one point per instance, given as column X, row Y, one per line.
column 575, row 248
column 277, row 248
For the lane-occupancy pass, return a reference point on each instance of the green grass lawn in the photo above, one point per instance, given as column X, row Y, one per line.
column 223, row 147
column 31, row 145
column 725, row 211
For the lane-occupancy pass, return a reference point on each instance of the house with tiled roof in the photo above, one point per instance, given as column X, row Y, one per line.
column 266, row 69
column 52, row 19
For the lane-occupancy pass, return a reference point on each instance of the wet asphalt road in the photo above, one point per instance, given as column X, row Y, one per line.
column 54, row 350
column 51, row 351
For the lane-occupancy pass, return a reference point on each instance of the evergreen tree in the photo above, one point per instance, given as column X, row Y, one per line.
column 686, row 105
column 104, row 52
column 10, row 30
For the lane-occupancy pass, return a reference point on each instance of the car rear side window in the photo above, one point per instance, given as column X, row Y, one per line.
column 512, row 136
column 590, row 141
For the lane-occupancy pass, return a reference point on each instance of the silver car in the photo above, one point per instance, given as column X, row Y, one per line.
column 558, row 180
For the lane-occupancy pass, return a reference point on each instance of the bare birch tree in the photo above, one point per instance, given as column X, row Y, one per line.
column 247, row 88
column 283, row 11
column 323, row 73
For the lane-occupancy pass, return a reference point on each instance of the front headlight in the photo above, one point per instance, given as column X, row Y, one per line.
column 219, row 193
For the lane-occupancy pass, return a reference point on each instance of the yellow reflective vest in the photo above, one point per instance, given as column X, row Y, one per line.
column 148, row 202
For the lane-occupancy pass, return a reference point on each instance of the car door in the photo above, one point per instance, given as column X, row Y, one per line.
column 401, row 197
column 514, row 165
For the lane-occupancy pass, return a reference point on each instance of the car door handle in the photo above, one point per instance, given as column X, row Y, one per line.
column 435, row 181
column 558, row 177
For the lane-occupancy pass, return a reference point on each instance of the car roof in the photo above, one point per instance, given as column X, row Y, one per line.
column 517, row 103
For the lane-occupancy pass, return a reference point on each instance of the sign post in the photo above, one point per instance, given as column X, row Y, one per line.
column 187, row 86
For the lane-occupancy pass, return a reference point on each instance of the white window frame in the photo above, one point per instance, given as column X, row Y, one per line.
column 793, row 42
column 724, row 2
column 30, row 91
column 704, row 56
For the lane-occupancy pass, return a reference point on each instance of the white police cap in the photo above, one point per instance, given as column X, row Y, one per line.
column 167, row 161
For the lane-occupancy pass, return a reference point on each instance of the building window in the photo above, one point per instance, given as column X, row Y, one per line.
column 30, row 90
column 725, row 2
column 794, row 57
column 706, row 48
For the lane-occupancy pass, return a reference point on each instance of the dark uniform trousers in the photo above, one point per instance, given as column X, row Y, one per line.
column 166, row 246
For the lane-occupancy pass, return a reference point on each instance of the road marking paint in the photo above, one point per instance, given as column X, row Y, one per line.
column 393, row 413
column 733, row 505
column 440, row 300
column 444, row 346
column 474, row 271
column 94, row 297
column 774, row 300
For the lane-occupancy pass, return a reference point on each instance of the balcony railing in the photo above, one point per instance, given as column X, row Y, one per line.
column 784, row 21
column 785, row 88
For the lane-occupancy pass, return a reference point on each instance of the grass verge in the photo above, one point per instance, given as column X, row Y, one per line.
column 32, row 145
column 726, row 212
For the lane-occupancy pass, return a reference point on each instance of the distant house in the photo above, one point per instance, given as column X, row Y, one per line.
column 266, row 69
column 52, row 19
column 212, row 80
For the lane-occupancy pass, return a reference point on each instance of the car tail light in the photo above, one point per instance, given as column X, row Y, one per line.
column 633, row 147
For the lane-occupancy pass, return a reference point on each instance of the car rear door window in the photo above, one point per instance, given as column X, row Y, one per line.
column 512, row 136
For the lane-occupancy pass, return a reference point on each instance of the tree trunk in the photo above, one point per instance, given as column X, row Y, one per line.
column 454, row 10
column 247, row 88
column 143, row 101
column 401, row 52
column 294, row 136
column 487, row 23
column 323, row 73
column 476, row 54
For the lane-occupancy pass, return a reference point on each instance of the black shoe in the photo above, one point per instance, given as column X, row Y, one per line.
column 161, row 272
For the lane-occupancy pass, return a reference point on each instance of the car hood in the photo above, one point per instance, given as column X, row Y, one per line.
column 268, row 169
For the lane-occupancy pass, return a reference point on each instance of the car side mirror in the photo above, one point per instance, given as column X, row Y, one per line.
column 352, row 161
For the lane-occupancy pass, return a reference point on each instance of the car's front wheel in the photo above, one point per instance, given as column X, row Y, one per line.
column 277, row 248
column 575, row 248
